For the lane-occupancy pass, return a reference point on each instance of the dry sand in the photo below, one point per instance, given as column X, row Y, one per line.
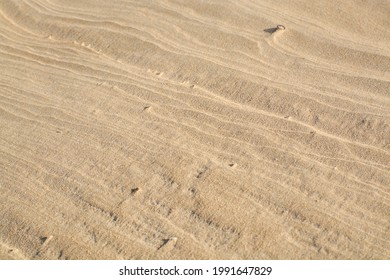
column 192, row 130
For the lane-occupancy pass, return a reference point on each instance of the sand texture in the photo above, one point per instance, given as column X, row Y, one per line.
column 191, row 129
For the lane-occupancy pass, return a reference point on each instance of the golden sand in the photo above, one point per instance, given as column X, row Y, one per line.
column 194, row 129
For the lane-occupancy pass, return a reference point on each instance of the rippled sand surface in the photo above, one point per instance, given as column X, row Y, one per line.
column 194, row 129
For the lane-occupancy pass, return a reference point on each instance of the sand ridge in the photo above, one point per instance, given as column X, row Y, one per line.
column 194, row 129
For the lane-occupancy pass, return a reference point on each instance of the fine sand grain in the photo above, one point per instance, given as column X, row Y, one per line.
column 191, row 129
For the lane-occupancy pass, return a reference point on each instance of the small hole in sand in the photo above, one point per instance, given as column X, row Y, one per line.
column 42, row 239
column 168, row 241
column 134, row 190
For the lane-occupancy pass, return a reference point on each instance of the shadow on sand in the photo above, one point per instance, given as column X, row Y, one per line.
column 270, row 30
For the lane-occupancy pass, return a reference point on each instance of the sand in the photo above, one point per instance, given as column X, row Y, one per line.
column 194, row 129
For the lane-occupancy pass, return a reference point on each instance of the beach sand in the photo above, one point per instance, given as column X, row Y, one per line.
column 194, row 129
